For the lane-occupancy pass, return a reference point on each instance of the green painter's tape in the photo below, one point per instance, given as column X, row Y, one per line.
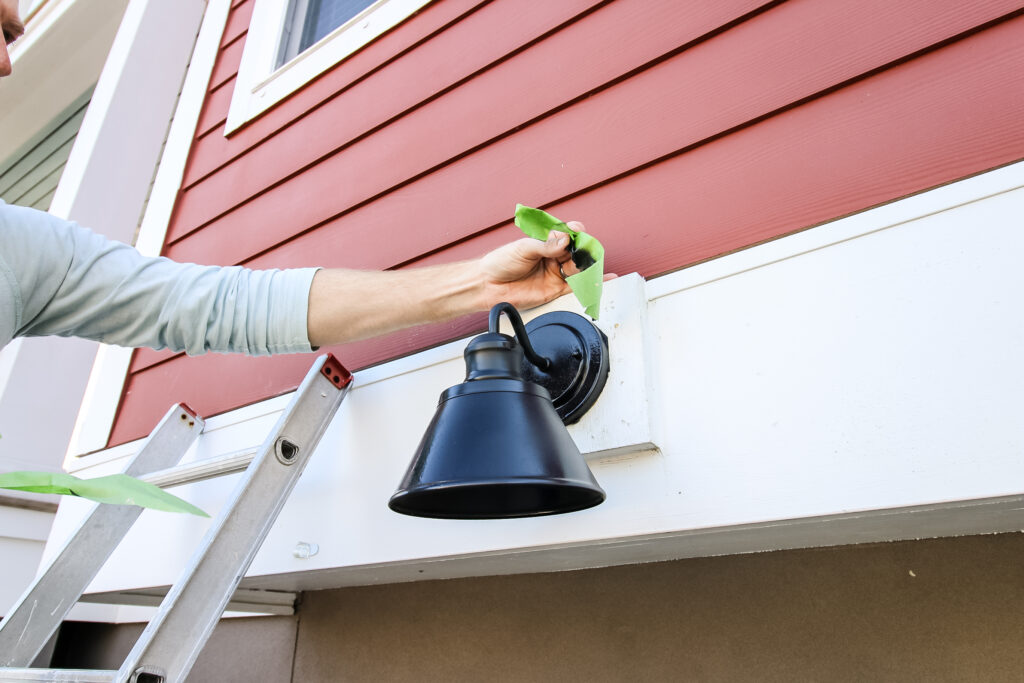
column 588, row 283
column 119, row 489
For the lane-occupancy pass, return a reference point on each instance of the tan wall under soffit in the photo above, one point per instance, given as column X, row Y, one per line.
column 935, row 610
column 842, row 614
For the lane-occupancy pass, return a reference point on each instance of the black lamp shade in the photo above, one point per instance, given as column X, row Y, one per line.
column 496, row 447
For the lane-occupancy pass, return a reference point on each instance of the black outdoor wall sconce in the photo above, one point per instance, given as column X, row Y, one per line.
column 497, row 446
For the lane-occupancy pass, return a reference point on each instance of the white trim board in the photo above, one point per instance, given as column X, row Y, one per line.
column 110, row 369
column 882, row 217
column 107, row 178
column 926, row 521
column 260, row 84
column 849, row 389
column 905, row 524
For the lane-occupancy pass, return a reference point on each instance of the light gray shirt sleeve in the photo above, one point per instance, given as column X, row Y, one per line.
column 61, row 279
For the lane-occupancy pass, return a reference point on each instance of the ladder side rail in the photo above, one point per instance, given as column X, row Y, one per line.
column 58, row 675
column 42, row 607
column 170, row 644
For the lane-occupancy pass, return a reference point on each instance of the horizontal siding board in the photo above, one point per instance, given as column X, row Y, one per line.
column 675, row 104
column 211, row 152
column 487, row 35
column 44, row 187
column 24, row 190
column 144, row 358
column 227, row 64
column 243, row 378
column 54, row 143
column 238, row 22
column 43, row 202
column 943, row 116
column 489, row 105
column 215, row 111
column 946, row 116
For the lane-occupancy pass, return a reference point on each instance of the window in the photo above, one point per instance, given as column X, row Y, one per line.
column 310, row 20
column 291, row 42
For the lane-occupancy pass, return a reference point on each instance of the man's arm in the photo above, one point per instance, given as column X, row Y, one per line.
column 63, row 279
column 348, row 305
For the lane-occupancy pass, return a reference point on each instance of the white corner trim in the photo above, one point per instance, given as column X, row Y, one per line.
column 77, row 167
column 260, row 85
column 99, row 403
column 130, row 76
column 109, row 371
column 183, row 128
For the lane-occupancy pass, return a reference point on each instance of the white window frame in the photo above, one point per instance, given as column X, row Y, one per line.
column 261, row 83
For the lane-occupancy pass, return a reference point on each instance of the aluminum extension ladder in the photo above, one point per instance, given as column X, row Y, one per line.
column 170, row 644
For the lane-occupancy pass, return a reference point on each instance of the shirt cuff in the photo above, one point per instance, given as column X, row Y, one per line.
column 290, row 304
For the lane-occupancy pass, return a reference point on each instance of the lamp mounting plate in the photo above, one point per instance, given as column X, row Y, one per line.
column 578, row 352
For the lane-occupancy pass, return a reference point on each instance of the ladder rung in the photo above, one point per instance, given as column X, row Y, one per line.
column 201, row 470
column 65, row 675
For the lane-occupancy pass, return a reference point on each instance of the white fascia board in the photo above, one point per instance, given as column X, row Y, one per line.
column 110, row 369
column 857, row 382
column 883, row 217
column 260, row 84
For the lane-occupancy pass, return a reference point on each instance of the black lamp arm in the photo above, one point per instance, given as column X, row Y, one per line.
column 520, row 331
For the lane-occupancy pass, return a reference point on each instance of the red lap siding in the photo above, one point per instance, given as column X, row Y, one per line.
column 238, row 21
column 489, row 104
column 689, row 139
column 212, row 152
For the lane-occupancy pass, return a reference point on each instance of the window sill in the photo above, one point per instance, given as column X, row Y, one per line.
column 260, row 85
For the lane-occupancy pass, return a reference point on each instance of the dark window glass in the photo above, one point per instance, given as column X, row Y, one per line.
column 310, row 20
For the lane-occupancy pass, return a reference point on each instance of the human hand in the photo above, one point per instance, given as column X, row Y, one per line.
column 528, row 272
column 348, row 305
